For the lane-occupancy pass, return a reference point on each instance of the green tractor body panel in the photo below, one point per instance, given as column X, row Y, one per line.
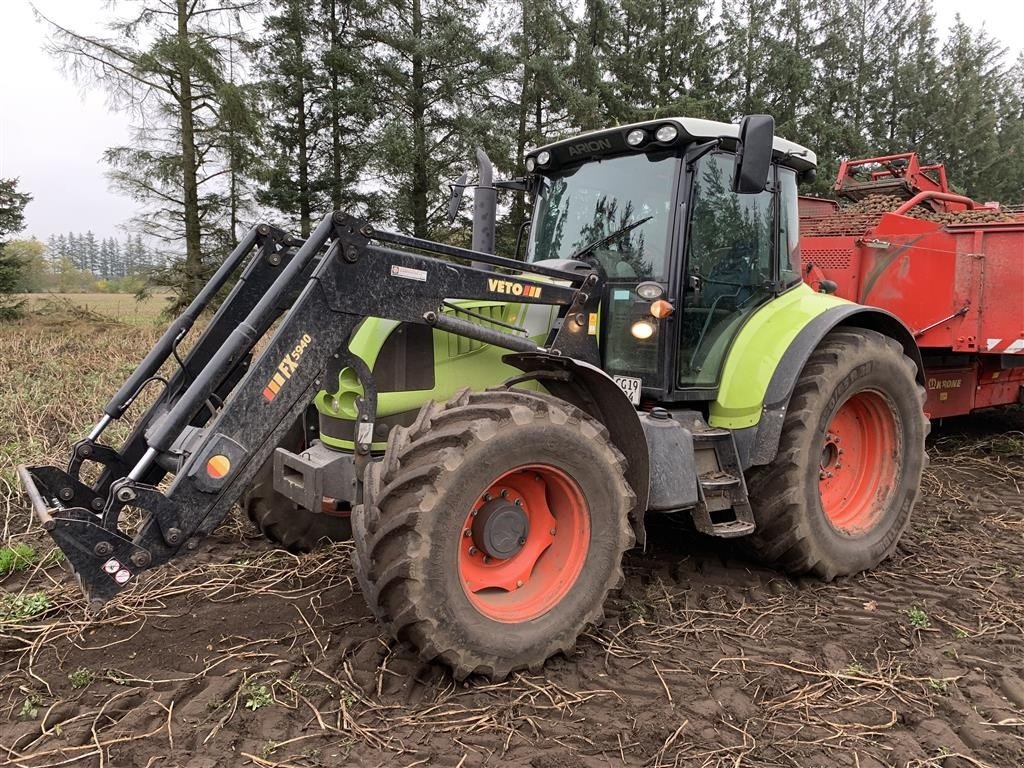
column 756, row 351
column 457, row 362
column 751, row 359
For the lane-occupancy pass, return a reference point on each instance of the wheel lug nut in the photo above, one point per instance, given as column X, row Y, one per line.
column 519, row 583
column 519, row 502
column 504, row 493
column 822, row 475
column 472, row 550
column 552, row 531
column 486, row 559
column 467, row 533
column 487, row 497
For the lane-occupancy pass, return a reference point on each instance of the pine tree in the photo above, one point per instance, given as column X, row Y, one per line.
column 1005, row 180
column 294, row 92
column 589, row 108
column 967, row 126
column 747, row 49
column 90, row 253
column 916, row 97
column 538, row 54
column 348, row 102
column 165, row 64
column 662, row 58
column 12, row 219
column 432, row 70
column 791, row 67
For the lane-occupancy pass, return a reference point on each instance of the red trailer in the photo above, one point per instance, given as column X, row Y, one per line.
column 951, row 268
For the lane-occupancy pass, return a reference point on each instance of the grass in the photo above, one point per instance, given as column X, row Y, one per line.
column 20, row 556
column 119, row 307
column 16, row 557
column 59, row 370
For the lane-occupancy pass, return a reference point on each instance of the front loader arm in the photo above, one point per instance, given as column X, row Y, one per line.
column 342, row 277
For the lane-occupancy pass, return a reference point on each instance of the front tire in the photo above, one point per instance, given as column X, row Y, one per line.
column 839, row 493
column 280, row 519
column 497, row 532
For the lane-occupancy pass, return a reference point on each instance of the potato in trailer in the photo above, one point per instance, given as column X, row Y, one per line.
column 949, row 267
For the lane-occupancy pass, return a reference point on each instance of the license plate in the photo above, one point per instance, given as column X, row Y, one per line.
column 631, row 386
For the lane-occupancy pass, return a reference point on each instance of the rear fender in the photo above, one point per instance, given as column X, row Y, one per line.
column 758, row 444
column 593, row 391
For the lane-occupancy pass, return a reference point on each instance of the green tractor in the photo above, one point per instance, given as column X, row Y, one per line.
column 493, row 434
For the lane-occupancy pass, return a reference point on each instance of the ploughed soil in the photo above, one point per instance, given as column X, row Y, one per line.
column 244, row 655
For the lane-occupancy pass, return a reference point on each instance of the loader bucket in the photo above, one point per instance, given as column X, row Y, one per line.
column 102, row 559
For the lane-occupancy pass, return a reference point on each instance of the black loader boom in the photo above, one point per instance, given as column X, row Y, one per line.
column 220, row 416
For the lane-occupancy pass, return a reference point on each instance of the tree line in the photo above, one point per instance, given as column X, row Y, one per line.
column 104, row 258
column 289, row 109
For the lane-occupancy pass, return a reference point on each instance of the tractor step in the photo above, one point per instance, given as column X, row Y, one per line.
column 731, row 529
column 719, row 481
column 723, row 509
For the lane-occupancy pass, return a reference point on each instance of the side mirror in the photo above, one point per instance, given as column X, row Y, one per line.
column 456, row 187
column 754, row 154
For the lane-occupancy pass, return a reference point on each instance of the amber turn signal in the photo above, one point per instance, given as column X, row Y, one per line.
column 661, row 308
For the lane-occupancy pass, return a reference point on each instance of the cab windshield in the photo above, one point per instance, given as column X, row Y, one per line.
column 583, row 204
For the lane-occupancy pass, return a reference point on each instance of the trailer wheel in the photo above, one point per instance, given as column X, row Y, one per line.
column 280, row 519
column 497, row 532
column 841, row 488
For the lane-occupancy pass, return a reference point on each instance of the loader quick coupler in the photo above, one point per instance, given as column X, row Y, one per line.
column 221, row 414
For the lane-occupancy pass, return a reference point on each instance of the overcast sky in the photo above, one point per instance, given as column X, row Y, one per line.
column 53, row 133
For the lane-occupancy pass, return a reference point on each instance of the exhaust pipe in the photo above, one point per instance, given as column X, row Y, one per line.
column 485, row 207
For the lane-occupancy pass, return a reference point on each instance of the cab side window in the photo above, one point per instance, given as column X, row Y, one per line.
column 789, row 227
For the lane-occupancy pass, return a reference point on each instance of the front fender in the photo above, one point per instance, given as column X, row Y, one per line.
column 595, row 392
column 758, row 444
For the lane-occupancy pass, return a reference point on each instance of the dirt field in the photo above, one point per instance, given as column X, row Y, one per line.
column 243, row 655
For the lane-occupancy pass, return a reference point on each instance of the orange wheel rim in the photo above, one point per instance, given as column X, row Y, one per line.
column 523, row 544
column 860, row 460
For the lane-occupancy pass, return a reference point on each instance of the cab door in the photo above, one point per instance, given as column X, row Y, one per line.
column 730, row 268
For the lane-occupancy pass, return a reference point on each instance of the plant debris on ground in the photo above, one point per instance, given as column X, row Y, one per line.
column 245, row 655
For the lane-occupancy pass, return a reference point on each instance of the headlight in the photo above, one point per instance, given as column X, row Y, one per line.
column 666, row 133
column 642, row 329
column 635, row 137
column 531, row 165
column 649, row 290
column 544, row 158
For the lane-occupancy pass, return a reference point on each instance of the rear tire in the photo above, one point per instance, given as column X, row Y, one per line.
column 519, row 458
column 280, row 519
column 839, row 493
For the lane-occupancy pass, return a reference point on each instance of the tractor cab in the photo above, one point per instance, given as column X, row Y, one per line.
column 695, row 224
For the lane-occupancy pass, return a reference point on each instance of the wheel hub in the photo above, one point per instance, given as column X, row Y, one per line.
column 500, row 528
column 524, row 543
column 859, row 464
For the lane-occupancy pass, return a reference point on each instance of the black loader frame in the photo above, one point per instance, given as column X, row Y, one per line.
column 223, row 412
